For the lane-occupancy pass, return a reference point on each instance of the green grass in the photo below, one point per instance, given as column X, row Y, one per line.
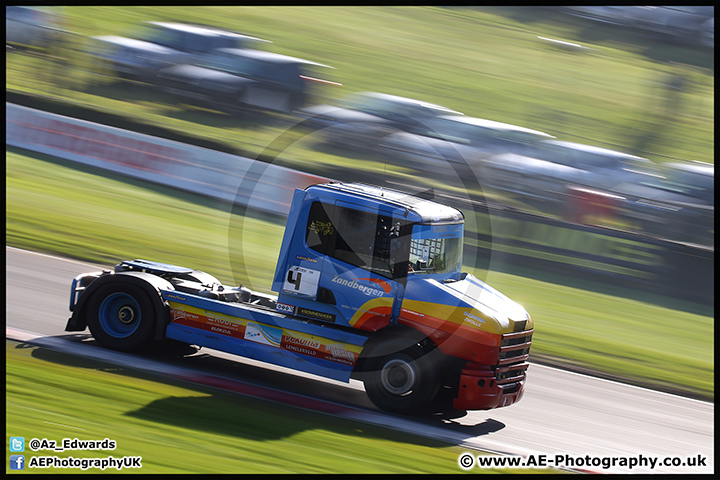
column 103, row 218
column 103, row 221
column 178, row 427
column 485, row 61
column 629, row 339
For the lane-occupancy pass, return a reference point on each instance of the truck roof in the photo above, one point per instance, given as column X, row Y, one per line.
column 417, row 209
column 491, row 124
column 266, row 56
column 203, row 30
column 366, row 97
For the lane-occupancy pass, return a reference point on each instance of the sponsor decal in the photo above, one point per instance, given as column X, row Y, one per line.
column 475, row 320
column 367, row 290
column 362, row 310
column 319, row 347
column 339, row 352
column 306, row 312
column 263, row 334
column 215, row 318
column 306, row 259
column 285, row 308
column 180, row 314
column 290, row 340
column 174, row 296
column 297, row 338
column 206, row 320
column 304, row 351
column 322, row 228
column 448, row 231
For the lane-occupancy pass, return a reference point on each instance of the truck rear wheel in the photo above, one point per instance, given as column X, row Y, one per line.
column 403, row 381
column 121, row 316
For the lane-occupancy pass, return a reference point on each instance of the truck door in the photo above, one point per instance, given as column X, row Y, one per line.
column 362, row 273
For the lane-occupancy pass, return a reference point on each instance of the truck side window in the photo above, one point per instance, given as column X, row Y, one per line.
column 353, row 236
column 356, row 233
column 320, row 233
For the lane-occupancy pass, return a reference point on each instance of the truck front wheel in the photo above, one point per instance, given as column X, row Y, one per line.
column 121, row 316
column 403, row 381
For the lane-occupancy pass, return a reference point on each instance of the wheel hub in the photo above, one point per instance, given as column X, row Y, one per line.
column 126, row 315
column 119, row 315
column 398, row 377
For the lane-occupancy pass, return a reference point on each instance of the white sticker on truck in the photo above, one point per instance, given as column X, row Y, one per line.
column 263, row 334
column 285, row 308
column 301, row 281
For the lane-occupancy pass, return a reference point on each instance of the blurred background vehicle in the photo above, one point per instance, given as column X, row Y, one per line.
column 31, row 26
column 684, row 24
column 707, row 35
column 161, row 44
column 546, row 176
column 457, row 139
column 679, row 205
column 230, row 79
column 361, row 120
column 617, row 14
column 681, row 24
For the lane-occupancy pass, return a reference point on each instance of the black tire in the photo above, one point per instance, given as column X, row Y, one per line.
column 121, row 316
column 399, row 378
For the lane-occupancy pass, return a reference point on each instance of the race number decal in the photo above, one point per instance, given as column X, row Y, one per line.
column 301, row 281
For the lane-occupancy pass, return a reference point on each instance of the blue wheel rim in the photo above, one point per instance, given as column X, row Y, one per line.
column 119, row 315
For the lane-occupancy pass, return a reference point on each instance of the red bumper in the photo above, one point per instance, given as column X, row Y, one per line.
column 482, row 388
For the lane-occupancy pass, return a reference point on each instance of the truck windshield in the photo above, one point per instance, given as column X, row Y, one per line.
column 436, row 249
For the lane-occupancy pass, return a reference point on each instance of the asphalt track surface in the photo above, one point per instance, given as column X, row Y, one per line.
column 562, row 413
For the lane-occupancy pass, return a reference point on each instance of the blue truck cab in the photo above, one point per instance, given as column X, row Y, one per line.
column 369, row 285
column 345, row 256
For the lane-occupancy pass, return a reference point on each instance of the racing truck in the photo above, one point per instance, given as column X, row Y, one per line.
column 369, row 286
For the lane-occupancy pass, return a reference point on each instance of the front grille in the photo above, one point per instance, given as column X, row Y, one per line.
column 515, row 347
column 515, row 339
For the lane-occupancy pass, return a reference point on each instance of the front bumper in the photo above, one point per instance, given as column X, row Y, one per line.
column 483, row 387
